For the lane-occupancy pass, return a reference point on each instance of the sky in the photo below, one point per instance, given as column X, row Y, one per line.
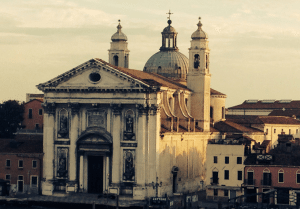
column 254, row 44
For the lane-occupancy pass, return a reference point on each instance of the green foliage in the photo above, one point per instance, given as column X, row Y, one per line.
column 11, row 116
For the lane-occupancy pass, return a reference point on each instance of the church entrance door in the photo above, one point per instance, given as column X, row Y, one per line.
column 95, row 174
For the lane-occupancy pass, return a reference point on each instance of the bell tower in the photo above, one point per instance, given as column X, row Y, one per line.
column 198, row 78
column 118, row 54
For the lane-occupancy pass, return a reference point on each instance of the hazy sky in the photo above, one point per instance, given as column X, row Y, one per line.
column 255, row 45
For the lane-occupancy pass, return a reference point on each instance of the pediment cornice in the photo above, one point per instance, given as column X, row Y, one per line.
column 53, row 84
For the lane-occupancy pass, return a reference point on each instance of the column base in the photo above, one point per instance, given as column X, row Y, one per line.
column 47, row 188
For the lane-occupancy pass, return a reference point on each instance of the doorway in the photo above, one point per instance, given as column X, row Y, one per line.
column 95, row 174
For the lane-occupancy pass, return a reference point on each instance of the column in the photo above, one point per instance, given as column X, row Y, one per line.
column 154, row 127
column 116, row 134
column 81, row 173
column 48, row 148
column 141, row 139
column 73, row 139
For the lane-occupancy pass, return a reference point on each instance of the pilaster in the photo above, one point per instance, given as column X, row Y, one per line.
column 141, row 139
column 116, row 132
column 48, row 148
column 75, row 107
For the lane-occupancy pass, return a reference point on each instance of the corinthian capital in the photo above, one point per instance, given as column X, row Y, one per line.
column 49, row 108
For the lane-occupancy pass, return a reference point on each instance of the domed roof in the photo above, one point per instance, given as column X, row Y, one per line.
column 199, row 33
column 171, row 64
column 169, row 28
column 119, row 36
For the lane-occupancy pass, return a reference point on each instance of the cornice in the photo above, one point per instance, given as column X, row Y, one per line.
column 52, row 84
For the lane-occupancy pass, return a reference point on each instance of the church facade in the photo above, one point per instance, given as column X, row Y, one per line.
column 110, row 129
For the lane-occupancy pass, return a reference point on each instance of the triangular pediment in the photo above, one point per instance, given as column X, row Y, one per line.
column 93, row 74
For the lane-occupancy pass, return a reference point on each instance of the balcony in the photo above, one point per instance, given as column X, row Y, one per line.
column 249, row 182
column 266, row 182
column 214, row 181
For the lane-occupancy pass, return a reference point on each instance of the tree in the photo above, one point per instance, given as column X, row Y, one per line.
column 11, row 116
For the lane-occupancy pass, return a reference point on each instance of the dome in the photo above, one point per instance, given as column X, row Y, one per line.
column 199, row 33
column 119, row 36
column 171, row 64
column 169, row 29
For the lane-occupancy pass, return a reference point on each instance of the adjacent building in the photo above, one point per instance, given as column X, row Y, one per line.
column 263, row 107
column 21, row 164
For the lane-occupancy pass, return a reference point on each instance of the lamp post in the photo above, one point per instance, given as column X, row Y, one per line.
column 156, row 185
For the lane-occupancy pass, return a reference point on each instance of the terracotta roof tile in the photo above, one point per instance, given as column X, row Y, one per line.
column 21, row 146
column 228, row 126
column 265, row 105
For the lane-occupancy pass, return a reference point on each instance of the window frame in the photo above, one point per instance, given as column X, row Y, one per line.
column 226, row 159
column 40, row 111
column 33, row 163
column 7, row 179
column 226, row 174
column 280, row 172
column 239, row 174
column 239, row 159
column 226, row 194
column 30, row 113
column 37, row 180
column 21, row 167
column 215, row 159
column 216, row 192
column 6, row 162
column 298, row 173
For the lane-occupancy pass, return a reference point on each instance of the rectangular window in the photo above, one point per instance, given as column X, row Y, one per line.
column 274, row 130
column 7, row 164
column 215, row 192
column 37, row 126
column 20, row 178
column 226, row 174
column 215, row 159
column 20, row 163
column 239, row 160
column 29, row 113
column 40, row 111
column 34, row 180
column 34, row 164
column 298, row 178
column 226, row 160
column 240, row 175
column 225, row 193
column 267, row 131
column 7, row 177
column 290, row 131
column 280, row 177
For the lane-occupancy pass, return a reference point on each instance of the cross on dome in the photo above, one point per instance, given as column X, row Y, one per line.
column 199, row 24
column 169, row 21
column 169, row 14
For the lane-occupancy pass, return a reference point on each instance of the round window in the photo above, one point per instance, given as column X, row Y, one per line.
column 95, row 77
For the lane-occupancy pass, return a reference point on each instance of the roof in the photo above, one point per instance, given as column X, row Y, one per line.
column 289, row 113
column 250, row 119
column 168, row 63
column 38, row 100
column 145, row 79
column 29, row 146
column 268, row 104
column 228, row 126
column 152, row 79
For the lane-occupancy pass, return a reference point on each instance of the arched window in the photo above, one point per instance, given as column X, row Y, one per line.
column 126, row 61
column 63, row 126
column 116, row 60
column 298, row 176
column 281, row 176
column 196, row 60
column 267, row 180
